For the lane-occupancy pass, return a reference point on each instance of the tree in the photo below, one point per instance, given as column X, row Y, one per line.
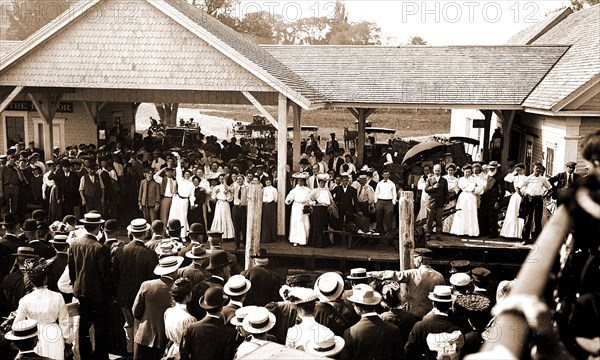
column 258, row 25
column 344, row 33
column 417, row 40
column 580, row 4
column 27, row 16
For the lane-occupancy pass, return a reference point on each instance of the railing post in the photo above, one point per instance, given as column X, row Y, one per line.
column 255, row 195
column 406, row 234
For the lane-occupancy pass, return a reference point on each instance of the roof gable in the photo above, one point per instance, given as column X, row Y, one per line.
column 531, row 33
column 578, row 69
column 483, row 76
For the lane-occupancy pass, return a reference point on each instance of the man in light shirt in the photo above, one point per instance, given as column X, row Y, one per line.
column 168, row 187
column 386, row 196
column 533, row 190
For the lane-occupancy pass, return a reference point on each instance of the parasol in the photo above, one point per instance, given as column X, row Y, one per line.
column 419, row 151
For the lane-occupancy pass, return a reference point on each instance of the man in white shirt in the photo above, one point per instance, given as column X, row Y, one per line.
column 167, row 190
column 533, row 190
column 386, row 198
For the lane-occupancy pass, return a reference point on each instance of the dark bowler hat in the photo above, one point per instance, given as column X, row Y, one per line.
column 174, row 225
column 262, row 254
column 218, row 259
column 25, row 251
column 39, row 215
column 29, row 225
column 92, row 218
column 196, row 228
column 111, row 225
column 461, row 266
column 10, row 219
column 213, row 298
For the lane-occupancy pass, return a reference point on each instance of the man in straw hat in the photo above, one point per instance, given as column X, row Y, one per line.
column 24, row 335
column 58, row 264
column 329, row 287
column 133, row 264
column 151, row 302
column 420, row 281
column 371, row 337
column 222, row 344
column 438, row 335
column 89, row 271
column 15, row 284
column 258, row 321
column 236, row 288
column 265, row 282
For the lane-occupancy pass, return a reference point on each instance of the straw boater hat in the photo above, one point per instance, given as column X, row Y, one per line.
column 168, row 265
column 59, row 239
column 241, row 313
column 237, row 285
column 25, row 251
column 197, row 252
column 357, row 273
column 441, row 293
column 329, row 286
column 460, row 279
column 258, row 321
column 364, row 294
column 92, row 218
column 138, row 225
column 22, row 330
column 326, row 348
column 213, row 298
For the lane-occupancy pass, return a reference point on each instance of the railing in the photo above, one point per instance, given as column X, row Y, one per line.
column 513, row 330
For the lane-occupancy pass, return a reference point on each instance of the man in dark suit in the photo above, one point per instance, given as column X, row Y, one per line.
column 265, row 282
column 67, row 182
column 41, row 248
column 563, row 183
column 371, row 337
column 332, row 146
column 346, row 200
column 492, row 197
column 149, row 196
column 151, row 302
column 58, row 264
column 222, row 345
column 437, row 188
column 9, row 243
column 133, row 264
column 24, row 336
column 336, row 161
column 89, row 270
column 196, row 237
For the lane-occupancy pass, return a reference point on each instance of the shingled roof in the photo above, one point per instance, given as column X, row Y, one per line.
column 482, row 76
column 578, row 68
column 531, row 33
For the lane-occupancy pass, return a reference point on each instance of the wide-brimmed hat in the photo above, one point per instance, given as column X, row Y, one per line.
column 174, row 225
column 138, row 225
column 237, row 285
column 10, row 219
column 59, row 239
column 460, row 266
column 441, row 293
column 25, row 251
column 329, row 286
column 241, row 313
column 168, row 265
column 213, row 298
column 297, row 295
column 166, row 248
column 258, row 321
column 493, row 165
column 424, row 252
column 29, row 225
column 262, row 254
column 300, row 175
column 326, row 348
column 22, row 330
column 460, row 279
column 364, row 294
column 474, row 303
column 218, row 259
column 92, row 218
column 197, row 252
column 323, row 177
column 357, row 273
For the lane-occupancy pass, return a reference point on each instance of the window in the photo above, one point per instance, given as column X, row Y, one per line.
column 58, row 133
column 15, row 130
column 549, row 161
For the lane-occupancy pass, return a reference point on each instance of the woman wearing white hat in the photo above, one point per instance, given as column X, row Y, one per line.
column 299, row 219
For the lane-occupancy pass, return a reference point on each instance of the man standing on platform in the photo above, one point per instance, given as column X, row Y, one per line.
column 492, row 197
column 437, row 188
column 149, row 196
column 387, row 197
column 346, row 200
column 563, row 183
column 532, row 191
column 168, row 188
column 91, row 190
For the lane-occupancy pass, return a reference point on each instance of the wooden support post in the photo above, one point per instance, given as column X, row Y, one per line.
column 281, row 162
column 253, row 226
column 46, row 107
column 506, row 130
column 297, row 111
column 360, row 136
column 486, row 135
column 260, row 108
column 406, row 234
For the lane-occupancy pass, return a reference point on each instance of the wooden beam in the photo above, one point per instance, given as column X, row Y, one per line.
column 486, row 134
column 297, row 111
column 353, row 112
column 281, row 163
column 260, row 108
column 16, row 91
column 360, row 136
column 46, row 108
column 40, row 109
column 370, row 112
column 509, row 117
column 91, row 108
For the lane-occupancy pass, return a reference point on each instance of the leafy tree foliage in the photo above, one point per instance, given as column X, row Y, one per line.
column 580, row 4
column 27, row 16
column 417, row 40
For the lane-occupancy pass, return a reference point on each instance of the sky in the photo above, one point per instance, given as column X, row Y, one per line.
column 440, row 22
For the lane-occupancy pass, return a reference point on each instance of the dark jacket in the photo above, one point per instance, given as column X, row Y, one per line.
column 8, row 245
column 328, row 316
column 30, row 356
column 43, row 249
column 346, row 201
column 438, row 326
column 265, row 285
column 89, row 270
column 439, row 195
column 149, row 307
column 55, row 270
column 149, row 194
column 222, row 345
column 373, row 338
column 133, row 264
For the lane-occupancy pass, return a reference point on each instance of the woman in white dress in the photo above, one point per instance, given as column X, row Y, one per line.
column 48, row 308
column 453, row 190
column 222, row 221
column 177, row 318
column 184, row 197
column 465, row 220
column 513, row 225
column 299, row 219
